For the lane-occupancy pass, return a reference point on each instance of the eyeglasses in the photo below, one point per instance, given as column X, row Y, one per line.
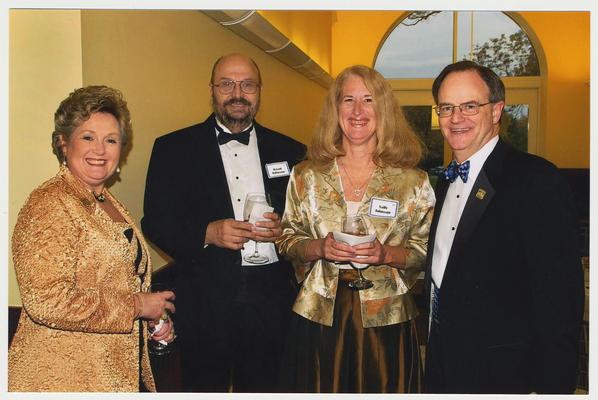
column 226, row 86
column 468, row 109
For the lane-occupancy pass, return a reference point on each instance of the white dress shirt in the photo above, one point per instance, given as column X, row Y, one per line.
column 244, row 175
column 454, row 202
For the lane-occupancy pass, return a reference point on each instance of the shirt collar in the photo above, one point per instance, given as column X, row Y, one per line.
column 225, row 129
column 477, row 160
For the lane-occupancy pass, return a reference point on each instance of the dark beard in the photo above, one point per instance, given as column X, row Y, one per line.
column 232, row 123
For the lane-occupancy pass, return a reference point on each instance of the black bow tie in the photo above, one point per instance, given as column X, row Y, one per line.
column 241, row 137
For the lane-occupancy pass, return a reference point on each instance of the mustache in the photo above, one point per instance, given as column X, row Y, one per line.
column 238, row 100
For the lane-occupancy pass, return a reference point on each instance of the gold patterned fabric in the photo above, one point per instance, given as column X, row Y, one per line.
column 314, row 206
column 77, row 277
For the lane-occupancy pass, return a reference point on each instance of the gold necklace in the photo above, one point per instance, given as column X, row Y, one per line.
column 356, row 190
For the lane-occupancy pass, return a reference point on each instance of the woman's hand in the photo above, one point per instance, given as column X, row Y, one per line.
column 154, row 305
column 376, row 253
column 370, row 253
column 166, row 331
column 329, row 249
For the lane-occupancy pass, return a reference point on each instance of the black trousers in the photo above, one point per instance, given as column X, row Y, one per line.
column 238, row 347
column 434, row 380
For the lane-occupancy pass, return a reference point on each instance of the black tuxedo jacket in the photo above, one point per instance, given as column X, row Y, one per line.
column 511, row 298
column 186, row 189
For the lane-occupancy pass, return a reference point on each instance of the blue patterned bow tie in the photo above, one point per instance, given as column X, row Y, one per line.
column 453, row 170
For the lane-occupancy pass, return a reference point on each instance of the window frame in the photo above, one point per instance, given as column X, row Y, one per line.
column 519, row 90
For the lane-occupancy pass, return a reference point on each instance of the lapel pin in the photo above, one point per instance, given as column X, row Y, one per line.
column 480, row 194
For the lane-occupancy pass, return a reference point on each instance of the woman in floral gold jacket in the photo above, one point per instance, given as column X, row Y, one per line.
column 361, row 161
column 82, row 264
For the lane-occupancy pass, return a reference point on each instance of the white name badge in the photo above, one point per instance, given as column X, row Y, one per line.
column 278, row 169
column 383, row 208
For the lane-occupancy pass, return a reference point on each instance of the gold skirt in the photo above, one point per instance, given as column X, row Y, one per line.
column 348, row 358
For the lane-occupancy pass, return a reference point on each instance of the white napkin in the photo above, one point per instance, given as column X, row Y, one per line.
column 353, row 240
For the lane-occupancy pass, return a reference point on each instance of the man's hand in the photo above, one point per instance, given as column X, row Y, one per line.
column 267, row 231
column 229, row 233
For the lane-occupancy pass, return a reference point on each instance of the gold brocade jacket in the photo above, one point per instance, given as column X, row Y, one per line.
column 77, row 277
column 314, row 206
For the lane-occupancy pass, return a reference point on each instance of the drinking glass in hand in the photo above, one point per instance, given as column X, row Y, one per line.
column 161, row 347
column 355, row 225
column 252, row 200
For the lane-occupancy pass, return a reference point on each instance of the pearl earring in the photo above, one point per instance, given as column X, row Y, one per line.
column 64, row 162
column 118, row 170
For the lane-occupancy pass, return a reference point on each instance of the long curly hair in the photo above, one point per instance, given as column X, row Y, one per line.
column 398, row 145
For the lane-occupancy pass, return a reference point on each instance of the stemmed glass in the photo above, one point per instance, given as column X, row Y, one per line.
column 355, row 225
column 261, row 203
column 161, row 347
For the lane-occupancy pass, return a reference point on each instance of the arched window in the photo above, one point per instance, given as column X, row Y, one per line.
column 422, row 43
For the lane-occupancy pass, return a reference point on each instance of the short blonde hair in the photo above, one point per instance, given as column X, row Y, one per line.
column 78, row 107
column 398, row 145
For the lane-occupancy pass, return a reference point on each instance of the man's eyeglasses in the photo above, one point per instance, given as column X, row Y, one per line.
column 227, row 86
column 468, row 109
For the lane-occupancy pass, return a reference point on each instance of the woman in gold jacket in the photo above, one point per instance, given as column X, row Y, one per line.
column 82, row 264
column 361, row 161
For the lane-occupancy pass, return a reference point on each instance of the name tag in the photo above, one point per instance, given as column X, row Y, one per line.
column 383, row 208
column 278, row 169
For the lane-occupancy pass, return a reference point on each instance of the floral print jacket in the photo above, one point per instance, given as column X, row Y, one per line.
column 314, row 206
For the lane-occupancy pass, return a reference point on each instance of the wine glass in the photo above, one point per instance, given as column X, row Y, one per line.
column 161, row 347
column 261, row 201
column 355, row 225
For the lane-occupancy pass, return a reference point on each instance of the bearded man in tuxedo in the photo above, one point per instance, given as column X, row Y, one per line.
column 231, row 313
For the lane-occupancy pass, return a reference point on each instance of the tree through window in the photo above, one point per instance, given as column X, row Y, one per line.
column 424, row 42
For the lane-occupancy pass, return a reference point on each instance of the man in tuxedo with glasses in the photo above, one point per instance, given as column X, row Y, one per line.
column 503, row 270
column 231, row 314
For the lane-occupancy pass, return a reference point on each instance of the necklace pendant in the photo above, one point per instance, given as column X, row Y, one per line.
column 99, row 197
column 357, row 192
